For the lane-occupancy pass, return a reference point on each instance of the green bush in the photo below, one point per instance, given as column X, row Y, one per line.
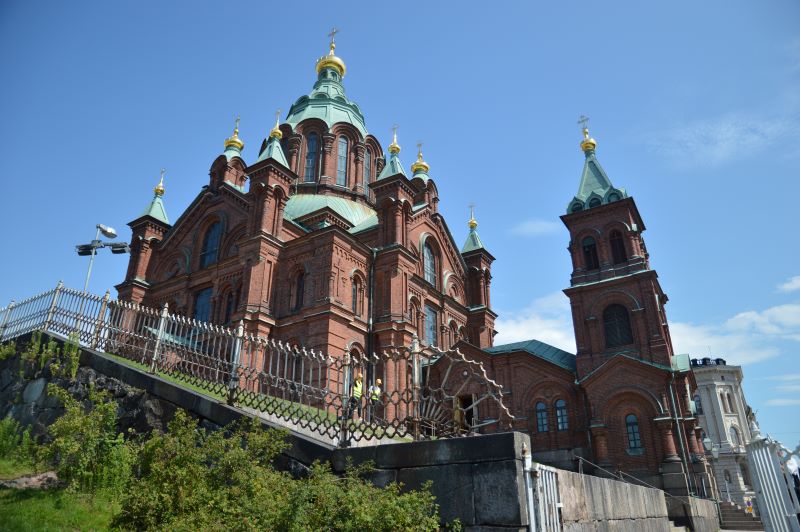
column 189, row 481
column 8, row 350
column 86, row 450
column 15, row 443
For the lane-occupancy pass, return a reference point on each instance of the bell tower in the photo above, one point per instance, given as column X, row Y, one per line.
column 617, row 302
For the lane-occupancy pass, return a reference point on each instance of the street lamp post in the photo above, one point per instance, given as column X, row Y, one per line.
column 91, row 249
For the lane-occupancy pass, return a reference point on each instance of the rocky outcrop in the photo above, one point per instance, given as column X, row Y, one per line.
column 23, row 396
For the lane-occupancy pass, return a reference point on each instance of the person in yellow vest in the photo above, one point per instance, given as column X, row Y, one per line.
column 374, row 394
column 356, row 393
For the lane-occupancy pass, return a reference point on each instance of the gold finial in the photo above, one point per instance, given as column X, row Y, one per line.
column 420, row 165
column 234, row 141
column 276, row 131
column 473, row 223
column 159, row 190
column 587, row 144
column 331, row 60
column 394, row 147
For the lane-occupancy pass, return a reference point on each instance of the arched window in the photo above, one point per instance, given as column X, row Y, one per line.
column 724, row 403
column 617, row 326
column 730, row 403
column 698, row 406
column 367, row 168
column 210, row 249
column 618, row 253
column 594, row 202
column 735, row 440
column 632, row 430
column 311, row 158
column 541, row 417
column 231, row 302
column 590, row 253
column 429, row 263
column 299, row 289
column 562, row 421
column 202, row 305
column 430, row 325
column 356, row 296
column 341, row 162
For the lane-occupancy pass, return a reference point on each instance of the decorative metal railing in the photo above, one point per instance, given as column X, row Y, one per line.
column 425, row 392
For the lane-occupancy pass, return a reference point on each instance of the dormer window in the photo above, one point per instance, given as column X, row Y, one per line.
column 594, row 202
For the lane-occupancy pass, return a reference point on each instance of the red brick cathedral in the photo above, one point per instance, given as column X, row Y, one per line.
column 326, row 242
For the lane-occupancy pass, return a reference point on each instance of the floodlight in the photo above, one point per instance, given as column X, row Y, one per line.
column 84, row 249
column 119, row 248
column 108, row 232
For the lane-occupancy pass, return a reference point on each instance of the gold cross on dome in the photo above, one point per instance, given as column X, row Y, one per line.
column 419, row 149
column 237, row 122
column 332, row 35
column 162, row 174
column 471, row 211
column 583, row 120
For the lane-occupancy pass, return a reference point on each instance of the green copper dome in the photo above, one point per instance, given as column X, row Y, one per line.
column 359, row 215
column 328, row 103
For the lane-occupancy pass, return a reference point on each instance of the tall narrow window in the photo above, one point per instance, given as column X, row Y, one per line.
column 735, row 436
column 730, row 403
column 202, row 305
column 698, row 405
column 590, row 253
column 355, row 295
column 541, row 417
column 724, row 404
column 299, row 288
column 341, row 162
column 429, row 264
column 561, row 415
column 430, row 325
column 617, row 326
column 210, row 249
column 632, row 428
column 618, row 253
column 311, row 158
column 367, row 168
column 231, row 302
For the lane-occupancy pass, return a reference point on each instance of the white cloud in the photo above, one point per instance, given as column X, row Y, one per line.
column 792, row 284
column 735, row 348
column 782, row 321
column 548, row 319
column 788, row 388
column 535, row 228
column 783, row 402
column 716, row 141
column 784, row 377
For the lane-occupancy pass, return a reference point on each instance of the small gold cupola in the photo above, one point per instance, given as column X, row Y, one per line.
column 588, row 144
column 420, row 166
column 276, row 131
column 331, row 60
column 394, row 147
column 159, row 188
column 234, row 141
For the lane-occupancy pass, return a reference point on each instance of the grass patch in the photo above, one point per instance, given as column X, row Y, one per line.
column 54, row 510
column 11, row 468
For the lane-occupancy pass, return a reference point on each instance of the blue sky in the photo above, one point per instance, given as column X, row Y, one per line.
column 695, row 107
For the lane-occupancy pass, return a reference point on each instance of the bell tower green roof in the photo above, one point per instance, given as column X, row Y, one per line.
column 595, row 188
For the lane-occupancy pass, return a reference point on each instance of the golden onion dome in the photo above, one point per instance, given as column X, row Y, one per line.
column 588, row 143
column 234, row 141
column 394, row 147
column 331, row 61
column 275, row 132
column 159, row 188
column 420, row 165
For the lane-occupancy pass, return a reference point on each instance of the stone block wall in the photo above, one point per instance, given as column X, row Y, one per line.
column 594, row 503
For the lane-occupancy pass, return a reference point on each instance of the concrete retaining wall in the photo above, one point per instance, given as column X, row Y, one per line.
column 593, row 503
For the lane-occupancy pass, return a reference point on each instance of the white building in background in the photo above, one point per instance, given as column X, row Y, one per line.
column 724, row 417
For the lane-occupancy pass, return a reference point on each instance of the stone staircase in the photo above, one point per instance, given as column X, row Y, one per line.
column 735, row 518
